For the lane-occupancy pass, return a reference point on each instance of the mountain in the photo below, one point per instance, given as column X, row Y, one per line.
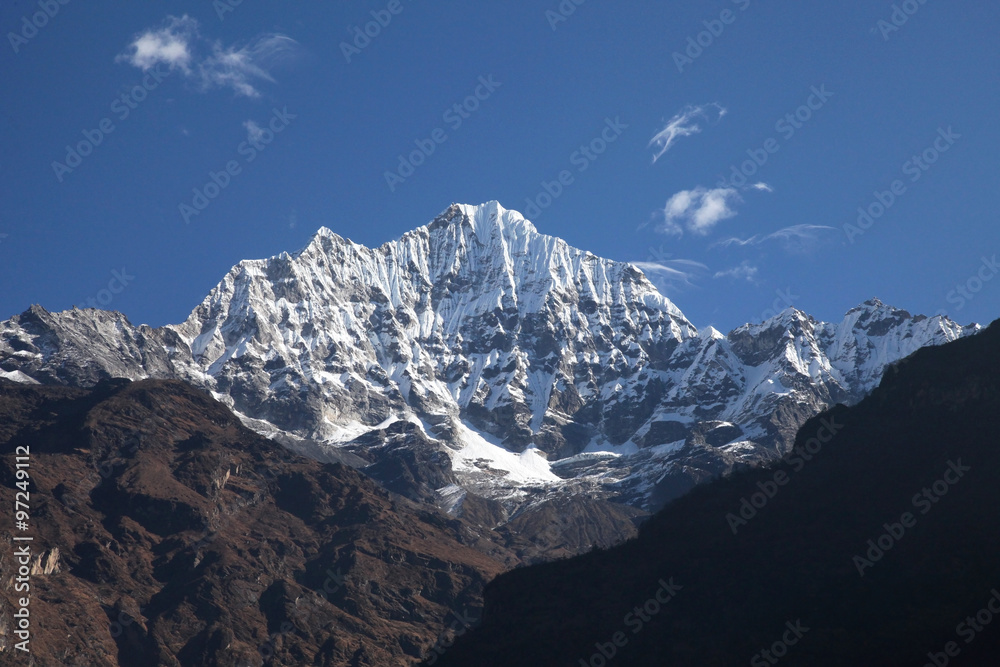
column 874, row 544
column 166, row 533
column 487, row 368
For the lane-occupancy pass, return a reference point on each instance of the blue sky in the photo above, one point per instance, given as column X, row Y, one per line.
column 309, row 122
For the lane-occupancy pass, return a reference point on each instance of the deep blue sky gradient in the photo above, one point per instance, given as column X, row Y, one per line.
column 119, row 208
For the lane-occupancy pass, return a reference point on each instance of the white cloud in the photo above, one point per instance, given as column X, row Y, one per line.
column 745, row 271
column 797, row 238
column 254, row 131
column 170, row 45
column 698, row 210
column 763, row 187
column 176, row 45
column 684, row 124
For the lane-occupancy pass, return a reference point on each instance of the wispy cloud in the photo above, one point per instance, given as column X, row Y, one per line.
column 240, row 68
column 698, row 210
column 177, row 44
column 745, row 271
column 684, row 124
column 763, row 187
column 672, row 272
column 797, row 238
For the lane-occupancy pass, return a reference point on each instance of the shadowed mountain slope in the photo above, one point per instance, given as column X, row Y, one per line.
column 880, row 546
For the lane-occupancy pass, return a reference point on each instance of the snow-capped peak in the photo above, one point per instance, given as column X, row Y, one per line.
column 515, row 352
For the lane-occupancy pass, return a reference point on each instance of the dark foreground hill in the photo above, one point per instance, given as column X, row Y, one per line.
column 876, row 543
column 165, row 533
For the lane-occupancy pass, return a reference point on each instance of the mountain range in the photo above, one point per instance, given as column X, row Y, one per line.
column 488, row 369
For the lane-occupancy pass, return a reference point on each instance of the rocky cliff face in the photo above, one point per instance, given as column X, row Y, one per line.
column 166, row 533
column 506, row 365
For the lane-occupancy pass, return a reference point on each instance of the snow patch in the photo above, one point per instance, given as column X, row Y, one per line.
column 479, row 452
